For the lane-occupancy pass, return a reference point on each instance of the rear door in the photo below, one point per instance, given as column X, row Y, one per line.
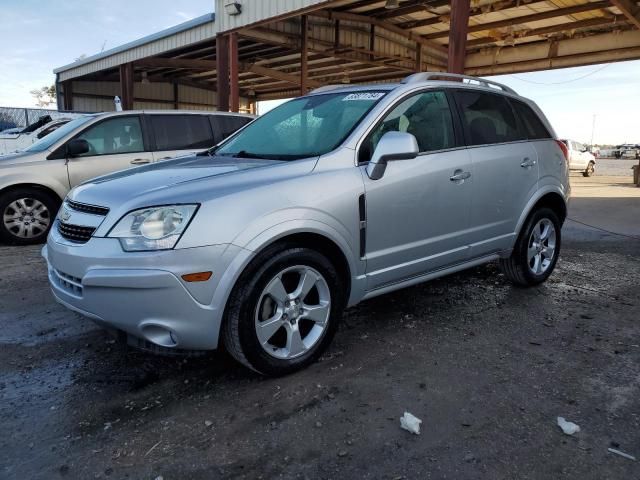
column 115, row 143
column 417, row 214
column 180, row 134
column 505, row 169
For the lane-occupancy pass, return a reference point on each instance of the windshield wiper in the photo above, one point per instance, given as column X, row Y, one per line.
column 245, row 154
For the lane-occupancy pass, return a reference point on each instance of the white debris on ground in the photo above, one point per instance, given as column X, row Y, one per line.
column 622, row 454
column 569, row 428
column 410, row 423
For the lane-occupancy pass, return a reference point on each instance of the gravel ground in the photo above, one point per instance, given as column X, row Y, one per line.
column 487, row 367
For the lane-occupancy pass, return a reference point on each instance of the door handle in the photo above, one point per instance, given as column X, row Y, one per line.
column 527, row 162
column 459, row 176
column 140, row 161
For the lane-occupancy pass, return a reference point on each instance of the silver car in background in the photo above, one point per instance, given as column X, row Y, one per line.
column 33, row 182
column 327, row 200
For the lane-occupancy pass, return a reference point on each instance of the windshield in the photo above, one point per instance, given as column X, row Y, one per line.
column 46, row 142
column 303, row 127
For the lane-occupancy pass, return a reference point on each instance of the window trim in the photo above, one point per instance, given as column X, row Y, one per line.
column 61, row 152
column 457, row 132
column 467, row 133
column 152, row 132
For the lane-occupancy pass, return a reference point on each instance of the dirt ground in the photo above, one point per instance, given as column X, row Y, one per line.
column 487, row 367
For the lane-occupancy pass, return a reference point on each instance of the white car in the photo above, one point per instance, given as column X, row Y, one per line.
column 580, row 158
column 15, row 140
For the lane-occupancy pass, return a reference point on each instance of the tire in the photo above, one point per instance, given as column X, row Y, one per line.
column 26, row 215
column 522, row 267
column 277, row 351
column 590, row 170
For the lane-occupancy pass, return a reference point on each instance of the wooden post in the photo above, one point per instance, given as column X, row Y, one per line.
column 304, row 37
column 372, row 41
column 234, row 88
column 418, row 57
column 67, row 88
column 222, row 71
column 458, row 35
column 126, row 86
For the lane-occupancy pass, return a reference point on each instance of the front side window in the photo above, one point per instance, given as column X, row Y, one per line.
column 181, row 132
column 488, row 118
column 303, row 127
column 426, row 116
column 114, row 136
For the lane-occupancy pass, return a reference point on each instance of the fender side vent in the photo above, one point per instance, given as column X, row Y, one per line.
column 362, row 209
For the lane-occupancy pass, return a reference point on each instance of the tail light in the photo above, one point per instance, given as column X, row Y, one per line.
column 564, row 148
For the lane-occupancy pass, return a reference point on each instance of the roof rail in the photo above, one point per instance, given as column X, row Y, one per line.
column 424, row 76
column 326, row 88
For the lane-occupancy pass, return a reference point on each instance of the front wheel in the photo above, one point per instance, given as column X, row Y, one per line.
column 536, row 251
column 26, row 216
column 591, row 168
column 284, row 310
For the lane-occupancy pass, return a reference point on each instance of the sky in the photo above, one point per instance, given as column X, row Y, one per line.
column 40, row 35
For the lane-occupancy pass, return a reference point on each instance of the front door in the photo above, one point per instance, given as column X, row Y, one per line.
column 418, row 212
column 115, row 143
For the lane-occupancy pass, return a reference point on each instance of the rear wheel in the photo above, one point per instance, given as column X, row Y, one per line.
column 591, row 168
column 26, row 216
column 536, row 251
column 284, row 310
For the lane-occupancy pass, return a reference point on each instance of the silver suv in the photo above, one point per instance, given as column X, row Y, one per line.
column 34, row 182
column 330, row 199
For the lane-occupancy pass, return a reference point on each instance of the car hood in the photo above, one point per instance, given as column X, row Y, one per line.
column 181, row 180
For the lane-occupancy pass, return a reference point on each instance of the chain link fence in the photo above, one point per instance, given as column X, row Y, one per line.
column 23, row 117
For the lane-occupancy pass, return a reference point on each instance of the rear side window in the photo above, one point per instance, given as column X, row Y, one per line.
column 225, row 125
column 181, row 132
column 534, row 128
column 487, row 118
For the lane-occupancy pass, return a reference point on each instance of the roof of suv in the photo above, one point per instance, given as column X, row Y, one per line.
column 426, row 79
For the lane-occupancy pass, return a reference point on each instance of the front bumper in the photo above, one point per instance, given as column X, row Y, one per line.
column 141, row 293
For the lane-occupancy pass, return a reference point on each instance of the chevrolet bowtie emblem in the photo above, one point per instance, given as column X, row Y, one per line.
column 65, row 215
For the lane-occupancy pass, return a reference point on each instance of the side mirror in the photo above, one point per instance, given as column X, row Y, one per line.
column 77, row 147
column 392, row 146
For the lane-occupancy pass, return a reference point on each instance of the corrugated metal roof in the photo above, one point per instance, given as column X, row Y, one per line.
column 182, row 27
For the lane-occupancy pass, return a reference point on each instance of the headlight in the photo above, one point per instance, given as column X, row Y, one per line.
column 153, row 228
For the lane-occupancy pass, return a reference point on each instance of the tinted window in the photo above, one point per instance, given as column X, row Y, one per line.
column 534, row 127
column 181, row 132
column 228, row 124
column 426, row 116
column 113, row 136
column 488, row 118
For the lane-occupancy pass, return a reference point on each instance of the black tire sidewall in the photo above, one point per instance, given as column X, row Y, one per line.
column 523, row 245
column 257, row 279
column 48, row 200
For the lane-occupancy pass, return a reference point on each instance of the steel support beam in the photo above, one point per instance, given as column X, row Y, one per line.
column 67, row 88
column 222, row 69
column 126, row 86
column 458, row 35
column 304, row 43
column 234, row 88
column 629, row 9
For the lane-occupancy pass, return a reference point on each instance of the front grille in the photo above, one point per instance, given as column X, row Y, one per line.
column 72, row 285
column 75, row 233
column 86, row 208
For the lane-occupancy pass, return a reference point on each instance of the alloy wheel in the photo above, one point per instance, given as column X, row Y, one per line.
column 293, row 312
column 542, row 246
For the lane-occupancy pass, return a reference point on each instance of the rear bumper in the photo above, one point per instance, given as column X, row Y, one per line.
column 143, row 293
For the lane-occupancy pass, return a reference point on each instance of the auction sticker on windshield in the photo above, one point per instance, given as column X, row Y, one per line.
column 363, row 96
